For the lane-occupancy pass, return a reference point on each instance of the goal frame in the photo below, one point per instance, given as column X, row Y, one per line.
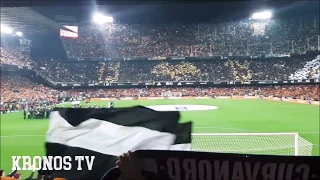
column 296, row 137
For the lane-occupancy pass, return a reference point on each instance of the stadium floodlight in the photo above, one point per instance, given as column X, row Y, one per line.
column 99, row 18
column 19, row 33
column 262, row 15
column 109, row 19
column 5, row 29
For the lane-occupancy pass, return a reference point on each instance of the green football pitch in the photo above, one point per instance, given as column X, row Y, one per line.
column 27, row 137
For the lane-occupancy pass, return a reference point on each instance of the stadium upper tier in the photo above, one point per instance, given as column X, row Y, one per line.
column 13, row 57
column 199, row 40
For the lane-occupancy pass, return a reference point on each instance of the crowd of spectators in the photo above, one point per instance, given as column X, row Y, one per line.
column 199, row 70
column 173, row 40
column 306, row 92
column 311, row 70
column 13, row 57
column 90, row 72
column 17, row 89
column 199, row 40
column 297, row 67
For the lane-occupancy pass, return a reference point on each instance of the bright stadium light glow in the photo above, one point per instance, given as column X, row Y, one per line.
column 262, row 15
column 109, row 19
column 5, row 29
column 19, row 33
column 99, row 18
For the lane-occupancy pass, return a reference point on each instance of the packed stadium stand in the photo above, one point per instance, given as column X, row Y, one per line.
column 13, row 57
column 245, row 59
column 139, row 53
column 18, row 88
column 275, row 59
column 199, row 40
column 199, row 70
column 310, row 70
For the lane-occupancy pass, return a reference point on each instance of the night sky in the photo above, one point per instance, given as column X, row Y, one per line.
column 190, row 12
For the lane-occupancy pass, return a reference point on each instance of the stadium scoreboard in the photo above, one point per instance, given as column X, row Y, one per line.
column 65, row 33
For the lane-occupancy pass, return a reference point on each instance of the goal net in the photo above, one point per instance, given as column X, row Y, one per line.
column 253, row 143
column 171, row 95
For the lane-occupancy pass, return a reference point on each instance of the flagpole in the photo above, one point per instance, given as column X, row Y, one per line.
column 198, row 30
column 318, row 42
column 300, row 24
column 285, row 26
column 247, row 47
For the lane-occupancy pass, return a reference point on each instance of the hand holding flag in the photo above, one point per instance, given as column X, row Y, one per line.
column 33, row 166
column 129, row 166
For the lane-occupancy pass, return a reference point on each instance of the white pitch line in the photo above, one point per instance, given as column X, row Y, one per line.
column 21, row 135
column 247, row 130
column 309, row 132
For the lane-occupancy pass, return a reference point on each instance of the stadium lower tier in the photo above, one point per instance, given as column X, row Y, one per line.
column 19, row 89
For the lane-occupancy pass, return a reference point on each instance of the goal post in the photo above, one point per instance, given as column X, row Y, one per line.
column 290, row 144
column 171, row 95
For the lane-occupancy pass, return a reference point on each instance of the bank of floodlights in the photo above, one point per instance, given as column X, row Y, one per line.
column 6, row 29
column 99, row 18
column 262, row 15
column 19, row 33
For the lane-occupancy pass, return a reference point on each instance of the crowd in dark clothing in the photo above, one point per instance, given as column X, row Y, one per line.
column 42, row 113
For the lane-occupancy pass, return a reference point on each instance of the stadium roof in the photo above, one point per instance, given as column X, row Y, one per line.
column 27, row 21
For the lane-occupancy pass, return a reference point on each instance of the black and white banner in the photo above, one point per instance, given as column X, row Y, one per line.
column 107, row 133
column 176, row 165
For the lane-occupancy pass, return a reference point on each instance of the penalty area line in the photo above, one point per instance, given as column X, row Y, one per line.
column 224, row 128
column 247, row 130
